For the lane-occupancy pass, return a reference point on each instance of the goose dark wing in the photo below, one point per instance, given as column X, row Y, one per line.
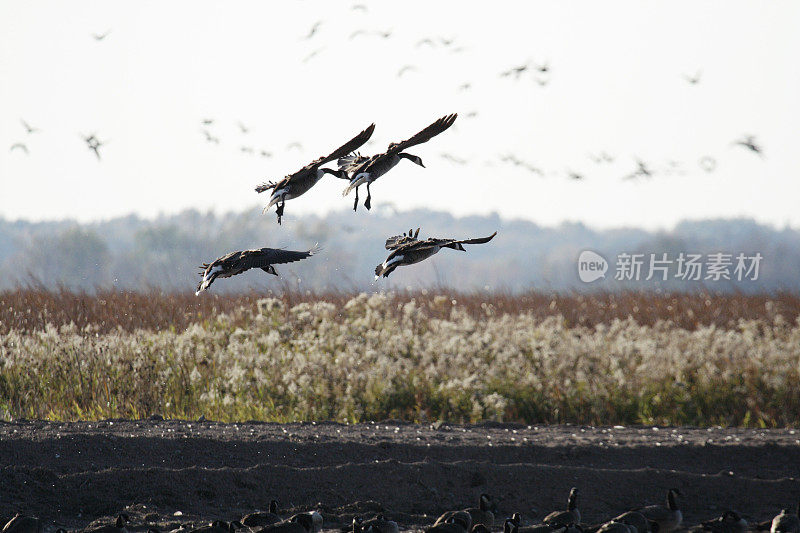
column 397, row 241
column 350, row 146
column 479, row 240
column 272, row 256
column 425, row 135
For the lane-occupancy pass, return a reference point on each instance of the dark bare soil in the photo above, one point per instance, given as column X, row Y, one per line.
column 72, row 474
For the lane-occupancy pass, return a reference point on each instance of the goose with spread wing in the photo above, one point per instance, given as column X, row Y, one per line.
column 300, row 182
column 364, row 170
column 407, row 249
column 237, row 262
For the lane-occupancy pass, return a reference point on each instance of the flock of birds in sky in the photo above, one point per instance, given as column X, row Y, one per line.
column 358, row 170
column 666, row 518
column 539, row 73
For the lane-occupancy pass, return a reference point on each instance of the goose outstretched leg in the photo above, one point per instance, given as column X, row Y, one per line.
column 279, row 210
column 355, row 204
column 368, row 201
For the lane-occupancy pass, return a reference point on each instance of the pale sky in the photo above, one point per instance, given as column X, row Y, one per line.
column 615, row 84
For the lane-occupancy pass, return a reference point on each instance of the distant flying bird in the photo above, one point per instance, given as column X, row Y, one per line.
column 30, row 129
column 574, row 175
column 750, row 143
column 296, row 145
column 365, row 170
column 446, row 42
column 247, row 149
column 93, row 143
column 543, row 68
column 472, row 114
column 210, row 138
column 516, row 71
column 602, row 157
column 243, row 128
column 427, row 41
column 237, row 262
column 541, row 81
column 265, row 153
column 454, row 159
column 385, row 33
column 642, row 170
column 465, row 87
column 357, row 33
column 297, row 184
column 208, row 121
column 407, row 249
column 101, row 36
column 313, row 54
column 314, row 29
column 517, row 162
column 406, row 68
column 694, row 80
column 359, row 7
column 19, row 146
column 708, row 163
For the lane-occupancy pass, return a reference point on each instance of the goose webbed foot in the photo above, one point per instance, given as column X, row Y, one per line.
column 368, row 201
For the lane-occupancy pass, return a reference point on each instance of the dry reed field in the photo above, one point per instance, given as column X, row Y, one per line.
column 689, row 359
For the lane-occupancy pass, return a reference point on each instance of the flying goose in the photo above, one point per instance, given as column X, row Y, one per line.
column 101, row 36
column 93, row 143
column 238, row 262
column 261, row 519
column 294, row 185
column 667, row 518
column 786, row 522
column 30, row 129
column 23, row 524
column 750, row 143
column 565, row 518
column 483, row 514
column 693, row 79
column 365, row 170
column 406, row 249
column 21, row 146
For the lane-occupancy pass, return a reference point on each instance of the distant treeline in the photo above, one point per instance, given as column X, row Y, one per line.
column 133, row 253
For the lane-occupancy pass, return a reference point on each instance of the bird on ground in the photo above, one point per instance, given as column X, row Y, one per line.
column 728, row 522
column 237, row 262
column 565, row 518
column 379, row 524
column 19, row 146
column 483, row 514
column 669, row 517
column 786, row 522
column 23, row 524
column 119, row 526
column 365, row 170
column 263, row 518
column 294, row 185
column 407, row 249
column 750, row 143
column 30, row 129
column 458, row 523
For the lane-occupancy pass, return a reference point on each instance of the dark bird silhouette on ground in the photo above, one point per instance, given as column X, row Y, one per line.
column 297, row 184
column 30, row 129
column 365, row 170
column 237, row 262
column 750, row 143
column 406, row 249
column 19, row 146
